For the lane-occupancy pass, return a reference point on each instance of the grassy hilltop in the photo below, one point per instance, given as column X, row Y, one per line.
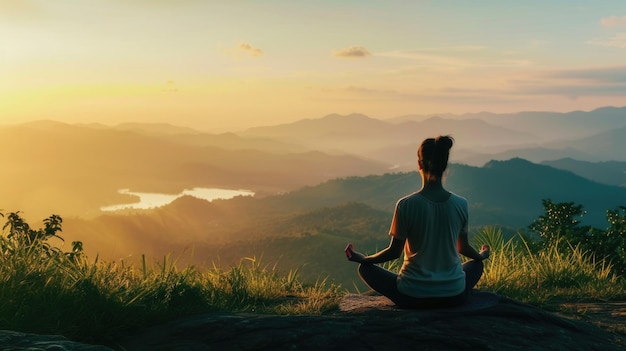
column 93, row 299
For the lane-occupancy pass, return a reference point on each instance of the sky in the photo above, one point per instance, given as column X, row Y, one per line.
column 227, row 65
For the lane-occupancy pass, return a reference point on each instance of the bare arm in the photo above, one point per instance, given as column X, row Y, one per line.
column 391, row 252
column 467, row 250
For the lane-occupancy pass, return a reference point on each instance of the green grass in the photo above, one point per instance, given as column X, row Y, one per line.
column 518, row 270
column 90, row 301
column 46, row 290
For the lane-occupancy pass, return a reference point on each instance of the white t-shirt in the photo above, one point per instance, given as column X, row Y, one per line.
column 432, row 266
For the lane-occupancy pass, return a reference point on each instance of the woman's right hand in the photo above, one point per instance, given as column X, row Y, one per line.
column 357, row 257
column 484, row 252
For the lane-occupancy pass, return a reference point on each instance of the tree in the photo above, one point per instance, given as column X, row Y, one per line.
column 611, row 243
column 21, row 236
column 560, row 224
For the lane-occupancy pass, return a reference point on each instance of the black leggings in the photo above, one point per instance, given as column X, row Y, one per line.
column 385, row 282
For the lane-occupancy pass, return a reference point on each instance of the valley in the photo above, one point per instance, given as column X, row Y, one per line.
column 317, row 184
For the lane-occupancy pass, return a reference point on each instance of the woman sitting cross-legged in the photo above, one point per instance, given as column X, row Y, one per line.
column 431, row 227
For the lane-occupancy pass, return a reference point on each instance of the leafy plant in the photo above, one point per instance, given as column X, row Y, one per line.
column 560, row 224
column 559, row 227
column 610, row 243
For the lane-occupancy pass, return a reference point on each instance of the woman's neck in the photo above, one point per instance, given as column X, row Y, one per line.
column 431, row 184
column 433, row 190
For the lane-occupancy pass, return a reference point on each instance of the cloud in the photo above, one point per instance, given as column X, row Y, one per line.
column 169, row 87
column 445, row 95
column 617, row 41
column 256, row 52
column 456, row 57
column 574, row 83
column 573, row 91
column 352, row 52
column 375, row 93
column 427, row 59
column 613, row 22
column 615, row 74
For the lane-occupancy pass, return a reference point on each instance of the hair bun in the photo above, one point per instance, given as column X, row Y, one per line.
column 444, row 142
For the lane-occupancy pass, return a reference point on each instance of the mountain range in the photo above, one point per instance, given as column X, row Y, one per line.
column 76, row 169
column 308, row 227
column 609, row 172
column 319, row 183
column 547, row 126
column 597, row 135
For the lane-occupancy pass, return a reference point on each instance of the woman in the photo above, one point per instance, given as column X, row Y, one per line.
column 431, row 226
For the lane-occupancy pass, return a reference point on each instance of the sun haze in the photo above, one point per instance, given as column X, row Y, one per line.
column 227, row 65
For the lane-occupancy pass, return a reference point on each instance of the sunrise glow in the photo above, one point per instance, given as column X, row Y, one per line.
column 223, row 65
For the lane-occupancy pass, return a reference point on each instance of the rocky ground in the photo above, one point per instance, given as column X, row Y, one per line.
column 364, row 322
column 608, row 315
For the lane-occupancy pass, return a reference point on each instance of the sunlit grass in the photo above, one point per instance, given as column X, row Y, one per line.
column 542, row 277
column 89, row 301
column 45, row 290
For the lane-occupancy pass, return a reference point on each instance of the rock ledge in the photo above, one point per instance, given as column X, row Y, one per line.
column 487, row 322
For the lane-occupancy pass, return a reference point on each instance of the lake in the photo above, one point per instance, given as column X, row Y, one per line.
column 152, row 200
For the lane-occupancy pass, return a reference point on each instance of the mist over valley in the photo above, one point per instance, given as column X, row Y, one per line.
column 318, row 183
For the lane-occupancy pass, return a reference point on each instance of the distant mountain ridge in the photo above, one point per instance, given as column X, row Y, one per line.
column 334, row 128
column 547, row 125
column 609, row 172
column 597, row 135
column 602, row 147
column 606, row 146
column 504, row 193
column 75, row 169
column 87, row 160
column 316, row 190
column 575, row 124
column 308, row 228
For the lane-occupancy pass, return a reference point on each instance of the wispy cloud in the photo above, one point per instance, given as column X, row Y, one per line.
column 426, row 58
column 169, row 87
column 573, row 90
column 569, row 83
column 615, row 74
column 444, row 95
column 455, row 57
column 613, row 22
column 253, row 51
column 375, row 93
column 352, row 52
column 617, row 41
column 574, row 83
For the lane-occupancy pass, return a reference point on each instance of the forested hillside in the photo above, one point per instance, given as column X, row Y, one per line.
column 74, row 170
column 309, row 227
column 608, row 172
column 308, row 203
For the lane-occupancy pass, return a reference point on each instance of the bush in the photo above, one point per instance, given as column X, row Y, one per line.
column 560, row 227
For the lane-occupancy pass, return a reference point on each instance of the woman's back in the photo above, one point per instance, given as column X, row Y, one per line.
column 432, row 266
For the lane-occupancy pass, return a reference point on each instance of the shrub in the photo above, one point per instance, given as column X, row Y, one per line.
column 560, row 227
